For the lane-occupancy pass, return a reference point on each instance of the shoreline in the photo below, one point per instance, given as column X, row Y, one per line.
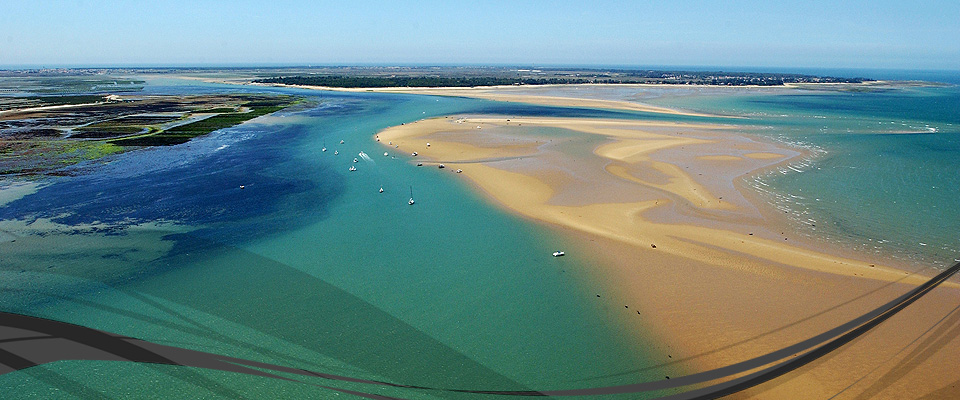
column 683, row 192
column 496, row 93
column 724, row 252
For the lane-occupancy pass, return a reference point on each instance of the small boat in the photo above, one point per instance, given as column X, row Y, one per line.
column 352, row 168
column 355, row 160
column 428, row 144
column 341, row 142
column 381, row 189
column 414, row 154
column 384, row 154
column 441, row 166
column 558, row 253
column 335, row 152
column 419, row 164
column 241, row 186
column 410, row 202
column 459, row 171
column 323, row 149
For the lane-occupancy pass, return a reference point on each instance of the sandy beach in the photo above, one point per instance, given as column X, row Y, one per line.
column 512, row 94
column 687, row 255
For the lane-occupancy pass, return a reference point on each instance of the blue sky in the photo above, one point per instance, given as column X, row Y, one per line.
column 851, row 34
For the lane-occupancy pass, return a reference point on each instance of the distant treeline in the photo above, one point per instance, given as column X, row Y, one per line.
column 660, row 77
column 406, row 81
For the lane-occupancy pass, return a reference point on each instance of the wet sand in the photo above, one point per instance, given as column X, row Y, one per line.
column 686, row 255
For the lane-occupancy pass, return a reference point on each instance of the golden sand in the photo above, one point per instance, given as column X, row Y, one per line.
column 707, row 273
column 630, row 148
column 764, row 156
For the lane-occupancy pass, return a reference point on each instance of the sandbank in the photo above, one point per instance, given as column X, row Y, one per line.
column 690, row 259
column 507, row 94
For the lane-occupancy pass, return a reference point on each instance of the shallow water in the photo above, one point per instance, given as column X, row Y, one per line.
column 882, row 178
column 308, row 266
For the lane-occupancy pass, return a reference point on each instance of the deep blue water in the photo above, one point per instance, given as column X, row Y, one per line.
column 309, row 267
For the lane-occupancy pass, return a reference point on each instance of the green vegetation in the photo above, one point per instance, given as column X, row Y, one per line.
column 36, row 157
column 44, row 141
column 216, row 110
column 397, row 81
column 419, row 78
column 183, row 133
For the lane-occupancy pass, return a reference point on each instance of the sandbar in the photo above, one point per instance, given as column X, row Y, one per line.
column 509, row 94
column 687, row 257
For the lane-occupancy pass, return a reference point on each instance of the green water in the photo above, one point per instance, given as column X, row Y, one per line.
column 310, row 267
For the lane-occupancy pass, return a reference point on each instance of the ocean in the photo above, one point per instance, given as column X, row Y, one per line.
column 881, row 178
column 309, row 266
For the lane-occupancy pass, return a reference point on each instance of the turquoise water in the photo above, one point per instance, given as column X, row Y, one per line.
column 310, row 267
column 882, row 178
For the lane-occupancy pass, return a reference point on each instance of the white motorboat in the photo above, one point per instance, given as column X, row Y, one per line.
column 558, row 253
column 352, row 168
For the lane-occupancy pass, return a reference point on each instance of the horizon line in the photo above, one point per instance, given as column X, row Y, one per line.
column 699, row 67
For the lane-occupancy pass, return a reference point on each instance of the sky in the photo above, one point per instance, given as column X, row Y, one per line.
column 811, row 34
